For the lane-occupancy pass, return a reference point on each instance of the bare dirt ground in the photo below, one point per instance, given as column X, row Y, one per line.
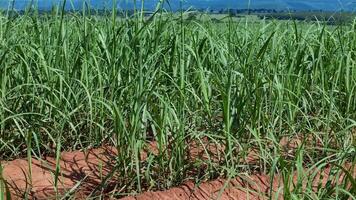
column 82, row 171
column 253, row 187
column 86, row 167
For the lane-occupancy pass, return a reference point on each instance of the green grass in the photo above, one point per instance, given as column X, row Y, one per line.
column 73, row 81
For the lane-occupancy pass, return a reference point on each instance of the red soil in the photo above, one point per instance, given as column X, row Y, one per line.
column 253, row 187
column 90, row 167
column 75, row 167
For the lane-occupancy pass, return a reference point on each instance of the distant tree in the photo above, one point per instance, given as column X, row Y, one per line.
column 192, row 16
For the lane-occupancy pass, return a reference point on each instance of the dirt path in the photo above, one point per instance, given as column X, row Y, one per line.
column 90, row 167
column 253, row 187
column 86, row 167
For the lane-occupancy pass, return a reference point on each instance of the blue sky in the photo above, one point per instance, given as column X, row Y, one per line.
column 333, row 5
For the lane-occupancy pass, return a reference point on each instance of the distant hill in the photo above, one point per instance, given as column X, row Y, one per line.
column 300, row 5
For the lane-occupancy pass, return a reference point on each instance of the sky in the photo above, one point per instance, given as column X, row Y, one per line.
column 329, row 5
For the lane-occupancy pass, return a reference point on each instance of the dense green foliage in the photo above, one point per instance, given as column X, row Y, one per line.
column 76, row 81
column 331, row 18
